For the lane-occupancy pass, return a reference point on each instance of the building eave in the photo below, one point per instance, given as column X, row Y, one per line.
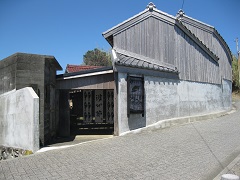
column 85, row 73
column 111, row 31
column 129, row 59
column 223, row 42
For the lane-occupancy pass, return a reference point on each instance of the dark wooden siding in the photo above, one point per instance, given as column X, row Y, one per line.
column 151, row 37
column 225, row 62
column 208, row 36
column 205, row 35
column 165, row 42
column 103, row 81
column 194, row 64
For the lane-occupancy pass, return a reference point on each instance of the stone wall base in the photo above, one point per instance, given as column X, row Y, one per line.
column 9, row 152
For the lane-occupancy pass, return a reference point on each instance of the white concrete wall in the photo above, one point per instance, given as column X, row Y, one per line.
column 19, row 119
column 171, row 98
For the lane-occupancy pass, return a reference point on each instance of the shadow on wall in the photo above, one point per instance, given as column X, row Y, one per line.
column 136, row 121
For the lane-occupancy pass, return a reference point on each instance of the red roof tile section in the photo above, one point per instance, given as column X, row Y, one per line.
column 76, row 68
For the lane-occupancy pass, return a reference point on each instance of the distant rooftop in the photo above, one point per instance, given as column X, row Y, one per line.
column 76, row 68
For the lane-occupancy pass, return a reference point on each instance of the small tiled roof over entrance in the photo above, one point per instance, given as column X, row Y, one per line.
column 76, row 68
column 125, row 58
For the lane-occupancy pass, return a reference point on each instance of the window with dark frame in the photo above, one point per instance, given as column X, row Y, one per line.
column 135, row 95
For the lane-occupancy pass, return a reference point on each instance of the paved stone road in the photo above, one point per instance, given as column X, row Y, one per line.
column 192, row 151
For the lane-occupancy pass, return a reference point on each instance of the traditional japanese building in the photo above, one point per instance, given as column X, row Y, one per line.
column 167, row 67
column 164, row 68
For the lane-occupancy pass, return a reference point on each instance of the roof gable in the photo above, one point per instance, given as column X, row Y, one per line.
column 150, row 11
column 179, row 21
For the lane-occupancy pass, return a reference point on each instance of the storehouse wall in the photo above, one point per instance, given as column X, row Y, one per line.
column 210, row 37
column 171, row 98
column 150, row 37
column 193, row 63
column 163, row 41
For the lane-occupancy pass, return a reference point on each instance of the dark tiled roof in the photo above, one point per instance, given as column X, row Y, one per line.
column 76, row 68
column 181, row 17
column 138, row 62
column 224, row 42
column 197, row 40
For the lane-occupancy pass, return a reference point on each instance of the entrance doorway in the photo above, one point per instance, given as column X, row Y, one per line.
column 91, row 112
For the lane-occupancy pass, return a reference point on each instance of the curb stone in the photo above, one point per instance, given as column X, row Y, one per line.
column 229, row 168
column 180, row 121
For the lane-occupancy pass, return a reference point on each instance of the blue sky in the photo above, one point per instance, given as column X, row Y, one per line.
column 67, row 29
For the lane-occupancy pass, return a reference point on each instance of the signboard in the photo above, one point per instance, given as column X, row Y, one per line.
column 135, row 95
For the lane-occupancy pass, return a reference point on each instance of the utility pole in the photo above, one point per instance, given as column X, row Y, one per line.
column 238, row 56
column 239, row 68
column 236, row 40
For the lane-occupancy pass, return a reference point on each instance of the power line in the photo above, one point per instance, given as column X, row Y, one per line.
column 182, row 4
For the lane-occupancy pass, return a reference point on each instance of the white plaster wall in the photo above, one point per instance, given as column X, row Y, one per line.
column 19, row 119
column 122, row 104
column 171, row 98
column 227, row 94
column 135, row 120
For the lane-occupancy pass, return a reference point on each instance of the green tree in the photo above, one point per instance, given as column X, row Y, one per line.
column 235, row 75
column 97, row 57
